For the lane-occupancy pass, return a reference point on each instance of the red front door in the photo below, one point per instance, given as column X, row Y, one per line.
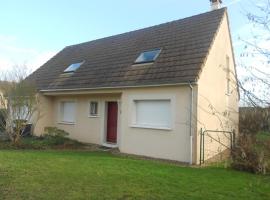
column 112, row 122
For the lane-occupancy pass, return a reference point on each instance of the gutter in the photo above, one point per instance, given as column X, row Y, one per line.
column 117, row 87
column 190, row 123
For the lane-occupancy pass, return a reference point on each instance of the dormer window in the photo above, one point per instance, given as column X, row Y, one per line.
column 148, row 56
column 73, row 67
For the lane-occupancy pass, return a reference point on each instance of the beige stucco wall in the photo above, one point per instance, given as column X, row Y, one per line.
column 216, row 109
column 43, row 117
column 86, row 129
column 171, row 144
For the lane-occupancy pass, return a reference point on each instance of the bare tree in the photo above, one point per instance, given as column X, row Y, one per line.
column 20, row 103
column 255, row 83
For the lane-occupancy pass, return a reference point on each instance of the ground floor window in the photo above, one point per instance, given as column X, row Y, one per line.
column 153, row 113
column 67, row 111
column 93, row 111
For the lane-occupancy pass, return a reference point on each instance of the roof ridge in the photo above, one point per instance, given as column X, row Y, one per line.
column 224, row 9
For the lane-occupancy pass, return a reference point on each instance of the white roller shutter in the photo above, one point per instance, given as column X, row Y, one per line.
column 153, row 113
column 68, row 111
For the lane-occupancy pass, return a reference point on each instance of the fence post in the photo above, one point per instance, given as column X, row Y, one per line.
column 201, row 146
column 203, row 133
column 234, row 138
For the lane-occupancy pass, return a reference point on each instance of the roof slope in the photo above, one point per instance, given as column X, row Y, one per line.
column 109, row 61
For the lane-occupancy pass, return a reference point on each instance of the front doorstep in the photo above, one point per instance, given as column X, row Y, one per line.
column 110, row 145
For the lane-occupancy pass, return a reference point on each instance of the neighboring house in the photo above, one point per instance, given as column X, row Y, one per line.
column 3, row 102
column 148, row 92
column 1, row 98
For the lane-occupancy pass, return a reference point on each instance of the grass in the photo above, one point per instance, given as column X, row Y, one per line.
column 264, row 136
column 97, row 175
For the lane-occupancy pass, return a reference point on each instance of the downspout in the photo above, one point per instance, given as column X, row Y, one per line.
column 190, row 123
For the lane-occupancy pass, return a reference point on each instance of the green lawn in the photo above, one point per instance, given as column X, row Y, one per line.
column 264, row 136
column 96, row 175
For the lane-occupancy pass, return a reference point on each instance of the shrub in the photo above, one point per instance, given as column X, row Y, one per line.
column 253, row 120
column 53, row 131
column 55, row 136
column 252, row 153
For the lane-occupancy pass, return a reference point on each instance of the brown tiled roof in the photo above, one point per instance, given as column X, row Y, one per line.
column 109, row 61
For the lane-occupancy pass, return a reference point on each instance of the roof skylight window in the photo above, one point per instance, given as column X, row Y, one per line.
column 73, row 67
column 148, row 56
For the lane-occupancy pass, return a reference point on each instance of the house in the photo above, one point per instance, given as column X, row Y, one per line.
column 3, row 102
column 1, row 99
column 148, row 92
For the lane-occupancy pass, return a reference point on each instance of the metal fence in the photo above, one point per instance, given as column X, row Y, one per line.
column 219, row 142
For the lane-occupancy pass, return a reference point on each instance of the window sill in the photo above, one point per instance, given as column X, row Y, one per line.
column 93, row 116
column 151, row 127
column 67, row 123
column 143, row 64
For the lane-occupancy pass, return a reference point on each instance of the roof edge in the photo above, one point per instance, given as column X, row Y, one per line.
column 117, row 87
column 234, row 60
column 212, row 43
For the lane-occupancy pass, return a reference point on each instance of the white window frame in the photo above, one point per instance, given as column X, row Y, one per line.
column 154, row 97
column 137, row 61
column 68, row 69
column 97, row 107
column 61, row 121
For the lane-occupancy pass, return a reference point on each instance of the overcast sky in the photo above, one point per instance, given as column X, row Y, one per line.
column 32, row 31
